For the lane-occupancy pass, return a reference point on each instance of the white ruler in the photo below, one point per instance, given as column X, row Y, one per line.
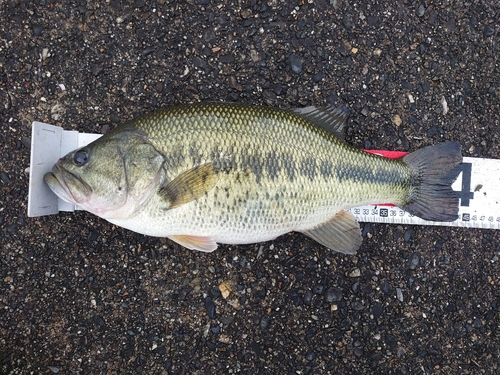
column 478, row 186
column 48, row 144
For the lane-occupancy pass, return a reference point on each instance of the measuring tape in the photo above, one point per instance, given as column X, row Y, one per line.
column 477, row 186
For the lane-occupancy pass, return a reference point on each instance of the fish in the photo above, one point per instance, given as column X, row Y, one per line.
column 225, row 173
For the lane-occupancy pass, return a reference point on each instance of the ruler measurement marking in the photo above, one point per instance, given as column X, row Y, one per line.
column 466, row 194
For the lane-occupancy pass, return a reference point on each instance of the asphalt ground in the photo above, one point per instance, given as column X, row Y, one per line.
column 81, row 296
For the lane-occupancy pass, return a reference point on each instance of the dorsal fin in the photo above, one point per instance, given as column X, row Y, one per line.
column 331, row 119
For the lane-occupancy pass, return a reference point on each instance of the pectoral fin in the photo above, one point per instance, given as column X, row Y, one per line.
column 189, row 185
column 206, row 244
column 340, row 233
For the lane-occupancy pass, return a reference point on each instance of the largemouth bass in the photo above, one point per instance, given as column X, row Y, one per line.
column 213, row 173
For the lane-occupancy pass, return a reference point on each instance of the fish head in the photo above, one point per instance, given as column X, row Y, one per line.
column 111, row 177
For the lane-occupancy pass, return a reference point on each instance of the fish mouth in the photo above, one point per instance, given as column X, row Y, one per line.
column 68, row 186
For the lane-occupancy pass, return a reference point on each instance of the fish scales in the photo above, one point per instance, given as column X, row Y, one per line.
column 242, row 138
column 242, row 174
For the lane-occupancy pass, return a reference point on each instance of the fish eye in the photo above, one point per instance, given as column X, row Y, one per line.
column 80, row 158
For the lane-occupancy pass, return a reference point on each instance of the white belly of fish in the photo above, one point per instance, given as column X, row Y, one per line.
column 243, row 224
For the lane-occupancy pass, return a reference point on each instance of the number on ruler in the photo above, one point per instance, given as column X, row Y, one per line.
column 465, row 194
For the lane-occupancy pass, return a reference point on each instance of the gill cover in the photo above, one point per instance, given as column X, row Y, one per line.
column 110, row 177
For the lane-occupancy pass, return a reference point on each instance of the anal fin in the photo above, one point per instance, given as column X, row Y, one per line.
column 340, row 233
column 206, row 244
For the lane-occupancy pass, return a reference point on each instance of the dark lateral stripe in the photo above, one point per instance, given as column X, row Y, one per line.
column 288, row 165
column 364, row 174
column 326, row 169
column 273, row 166
column 307, row 168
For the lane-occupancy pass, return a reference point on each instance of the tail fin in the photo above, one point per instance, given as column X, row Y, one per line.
column 436, row 168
